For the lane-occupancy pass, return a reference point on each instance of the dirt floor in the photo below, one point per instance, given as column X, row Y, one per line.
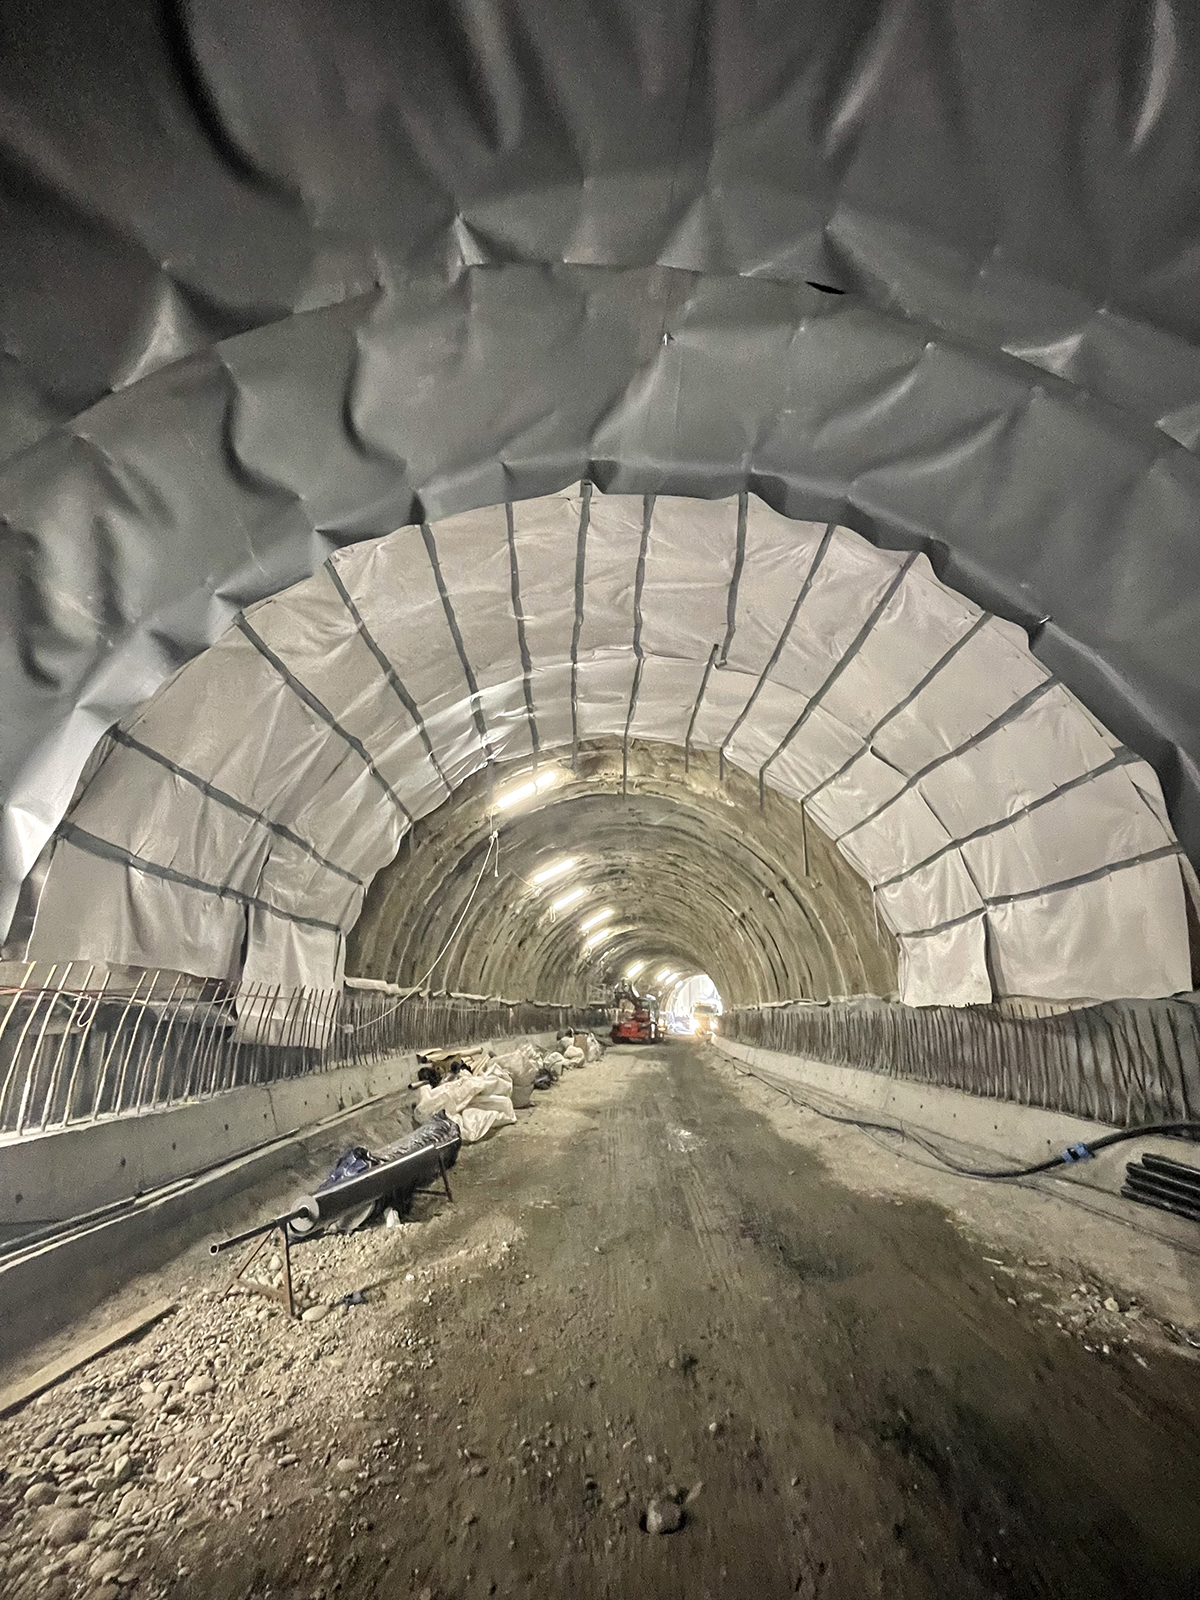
column 646, row 1294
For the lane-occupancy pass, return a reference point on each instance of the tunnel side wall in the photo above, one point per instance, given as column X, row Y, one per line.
column 1124, row 1062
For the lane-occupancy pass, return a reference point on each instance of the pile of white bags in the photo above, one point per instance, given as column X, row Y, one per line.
column 488, row 1091
column 522, row 1065
column 477, row 1101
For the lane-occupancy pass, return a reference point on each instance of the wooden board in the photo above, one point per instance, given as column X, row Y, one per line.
column 19, row 1394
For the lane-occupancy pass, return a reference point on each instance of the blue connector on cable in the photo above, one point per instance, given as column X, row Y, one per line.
column 1076, row 1152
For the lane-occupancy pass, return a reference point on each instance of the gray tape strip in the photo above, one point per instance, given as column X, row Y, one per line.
column 107, row 851
column 708, row 666
column 1097, row 875
column 585, row 513
column 456, row 634
column 1010, row 714
column 1123, row 759
column 519, row 615
column 943, row 661
column 231, row 802
column 302, row 692
column 856, row 644
column 781, row 642
column 389, row 672
column 739, row 561
column 639, row 583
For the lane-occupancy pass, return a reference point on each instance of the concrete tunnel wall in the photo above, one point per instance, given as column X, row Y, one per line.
column 696, row 872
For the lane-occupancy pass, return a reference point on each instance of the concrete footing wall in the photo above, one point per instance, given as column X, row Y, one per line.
column 972, row 1130
column 182, row 1163
column 51, row 1177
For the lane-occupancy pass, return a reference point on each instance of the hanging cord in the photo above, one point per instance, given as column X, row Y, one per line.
column 1065, row 1158
column 493, row 844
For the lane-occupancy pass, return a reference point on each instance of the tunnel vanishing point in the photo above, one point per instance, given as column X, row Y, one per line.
column 506, row 505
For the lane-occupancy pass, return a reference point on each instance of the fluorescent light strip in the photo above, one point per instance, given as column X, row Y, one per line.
column 566, row 900
column 595, row 918
column 556, row 871
column 527, row 790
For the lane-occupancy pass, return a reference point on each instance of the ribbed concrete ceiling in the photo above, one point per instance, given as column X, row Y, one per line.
column 696, row 873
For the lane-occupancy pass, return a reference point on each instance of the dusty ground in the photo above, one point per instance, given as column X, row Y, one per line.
column 651, row 1287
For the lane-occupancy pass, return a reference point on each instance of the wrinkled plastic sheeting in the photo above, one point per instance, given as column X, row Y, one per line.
column 476, row 1101
column 252, row 316
column 1014, row 846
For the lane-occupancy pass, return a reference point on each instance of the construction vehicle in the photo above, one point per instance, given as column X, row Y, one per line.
column 704, row 1016
column 636, row 1020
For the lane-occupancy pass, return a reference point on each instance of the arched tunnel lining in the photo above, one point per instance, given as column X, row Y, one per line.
column 690, row 864
column 1012, row 844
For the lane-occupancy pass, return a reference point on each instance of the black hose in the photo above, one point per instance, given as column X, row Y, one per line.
column 1065, row 1158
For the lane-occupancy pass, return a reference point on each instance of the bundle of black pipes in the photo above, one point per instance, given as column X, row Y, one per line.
column 1168, row 1185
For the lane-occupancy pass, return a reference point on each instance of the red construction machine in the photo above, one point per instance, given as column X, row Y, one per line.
column 636, row 1020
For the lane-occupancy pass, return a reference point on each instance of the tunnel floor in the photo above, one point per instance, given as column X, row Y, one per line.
column 644, row 1291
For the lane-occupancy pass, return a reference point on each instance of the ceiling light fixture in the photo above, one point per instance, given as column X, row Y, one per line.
column 556, row 871
column 632, row 972
column 527, row 790
column 596, row 917
column 598, row 938
column 569, row 899
column 663, row 975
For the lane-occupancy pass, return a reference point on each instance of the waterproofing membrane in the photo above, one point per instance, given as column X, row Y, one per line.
column 273, row 290
column 1013, row 845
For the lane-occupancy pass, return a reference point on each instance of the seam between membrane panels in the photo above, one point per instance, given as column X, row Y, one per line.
column 519, row 615
column 843, row 662
column 1009, row 714
column 105, row 850
column 639, row 584
column 305, row 694
column 687, row 740
column 585, row 512
column 1123, row 759
column 231, row 802
column 456, row 634
column 739, row 561
column 780, row 643
column 1096, row 875
column 392, row 677
column 922, row 684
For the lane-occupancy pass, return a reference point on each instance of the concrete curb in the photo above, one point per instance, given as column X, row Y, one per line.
column 50, row 1283
column 973, row 1130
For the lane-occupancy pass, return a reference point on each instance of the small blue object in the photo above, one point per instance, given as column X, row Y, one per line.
column 1076, row 1152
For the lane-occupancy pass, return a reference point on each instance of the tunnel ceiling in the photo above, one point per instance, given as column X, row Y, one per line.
column 1012, row 845
column 926, row 273
column 694, row 871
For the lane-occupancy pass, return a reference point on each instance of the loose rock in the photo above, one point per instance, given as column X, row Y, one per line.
column 200, row 1384
column 68, row 1527
column 106, row 1566
column 663, row 1516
